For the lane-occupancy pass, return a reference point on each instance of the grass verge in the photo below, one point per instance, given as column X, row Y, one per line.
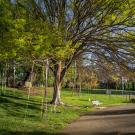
column 18, row 116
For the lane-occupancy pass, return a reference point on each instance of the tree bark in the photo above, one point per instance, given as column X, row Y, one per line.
column 27, row 76
column 58, row 77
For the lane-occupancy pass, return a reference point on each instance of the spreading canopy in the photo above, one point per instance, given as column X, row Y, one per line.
column 104, row 28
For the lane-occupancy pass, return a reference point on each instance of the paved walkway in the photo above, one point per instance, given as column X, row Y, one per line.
column 118, row 120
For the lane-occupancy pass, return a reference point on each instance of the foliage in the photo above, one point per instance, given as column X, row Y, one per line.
column 5, row 26
column 80, row 26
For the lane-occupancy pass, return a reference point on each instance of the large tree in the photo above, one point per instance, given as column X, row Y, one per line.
column 69, row 28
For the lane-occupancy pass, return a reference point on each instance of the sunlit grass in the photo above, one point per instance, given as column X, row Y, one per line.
column 16, row 118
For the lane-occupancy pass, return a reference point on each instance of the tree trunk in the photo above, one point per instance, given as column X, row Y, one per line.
column 56, row 93
column 57, row 84
column 27, row 77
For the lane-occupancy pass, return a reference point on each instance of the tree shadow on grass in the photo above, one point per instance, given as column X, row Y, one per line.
column 6, row 132
column 17, row 107
column 20, row 103
column 3, row 100
column 19, row 98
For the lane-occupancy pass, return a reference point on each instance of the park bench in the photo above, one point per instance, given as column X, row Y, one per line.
column 95, row 102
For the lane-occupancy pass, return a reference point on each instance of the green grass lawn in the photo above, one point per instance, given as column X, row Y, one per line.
column 16, row 118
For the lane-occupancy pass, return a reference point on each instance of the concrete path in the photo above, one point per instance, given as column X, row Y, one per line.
column 118, row 120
